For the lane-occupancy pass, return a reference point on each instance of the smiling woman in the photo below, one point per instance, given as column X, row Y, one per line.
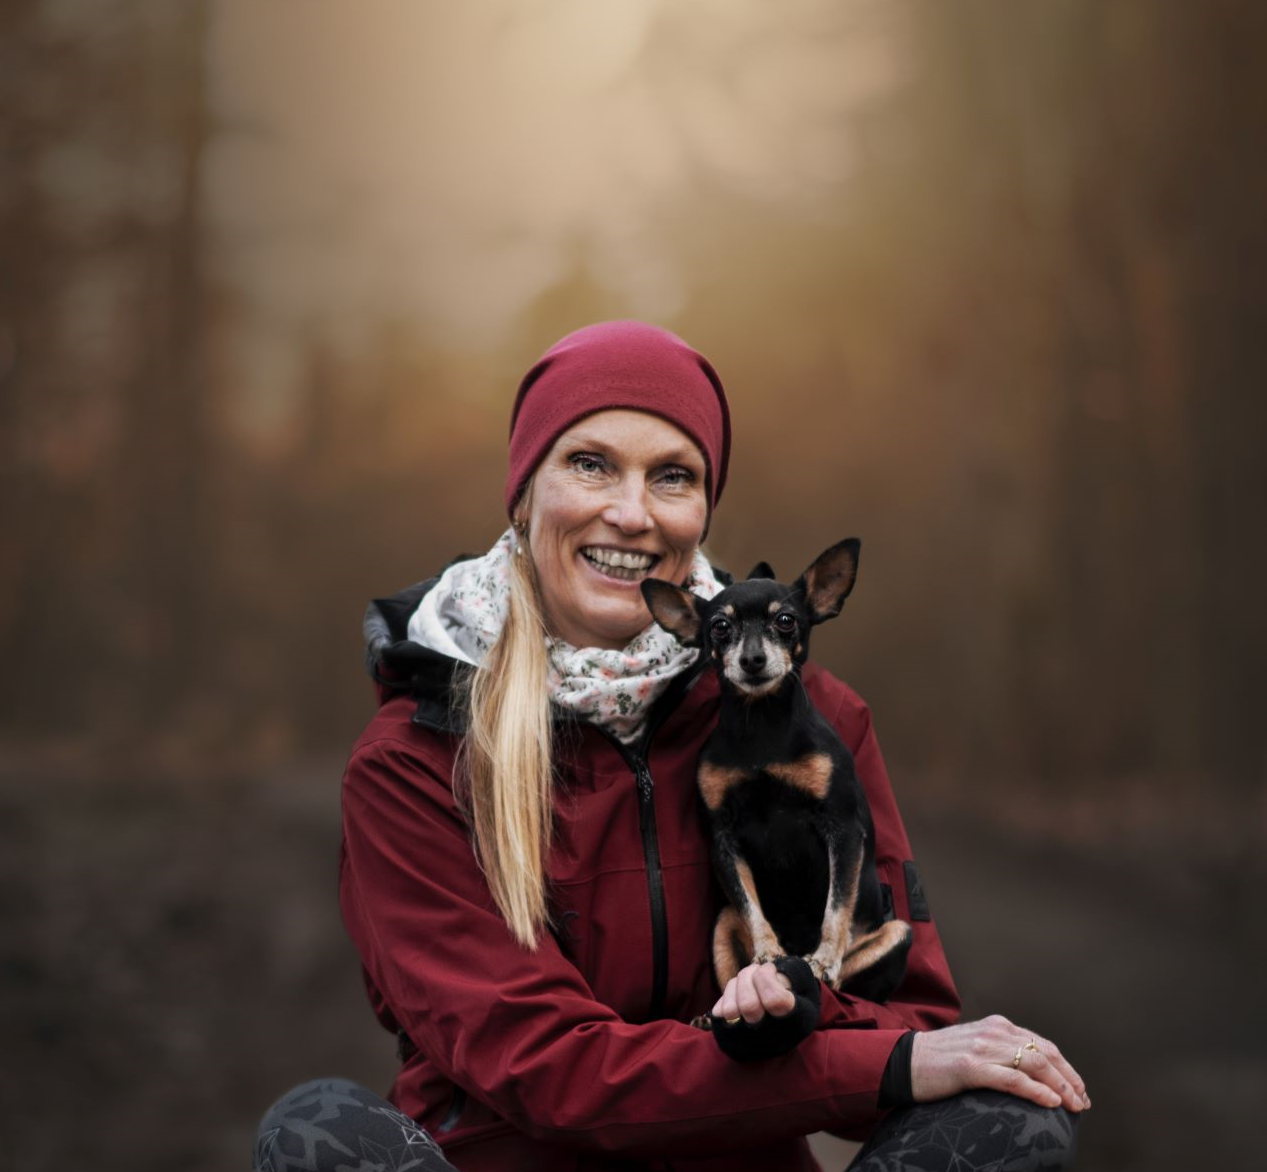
column 527, row 876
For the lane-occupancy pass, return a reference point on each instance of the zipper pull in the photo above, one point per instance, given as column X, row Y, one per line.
column 645, row 783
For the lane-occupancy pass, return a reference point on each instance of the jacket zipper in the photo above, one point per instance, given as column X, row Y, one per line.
column 637, row 762
column 636, row 759
column 655, row 887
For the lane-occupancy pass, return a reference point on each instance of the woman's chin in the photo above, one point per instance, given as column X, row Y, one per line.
column 612, row 626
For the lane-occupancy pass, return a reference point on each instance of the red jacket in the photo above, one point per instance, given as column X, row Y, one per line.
column 576, row 1057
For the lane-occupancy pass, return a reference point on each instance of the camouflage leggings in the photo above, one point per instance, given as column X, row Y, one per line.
column 333, row 1125
column 978, row 1131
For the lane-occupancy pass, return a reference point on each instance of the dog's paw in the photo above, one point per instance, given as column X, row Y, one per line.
column 703, row 1022
column 826, row 969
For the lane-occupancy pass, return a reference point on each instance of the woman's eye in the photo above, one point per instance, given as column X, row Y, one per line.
column 785, row 623
column 720, row 630
column 677, row 476
column 583, row 462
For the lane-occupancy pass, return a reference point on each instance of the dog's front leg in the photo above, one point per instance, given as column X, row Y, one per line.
column 834, row 938
column 737, row 882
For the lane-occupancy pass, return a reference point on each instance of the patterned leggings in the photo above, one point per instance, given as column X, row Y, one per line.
column 333, row 1125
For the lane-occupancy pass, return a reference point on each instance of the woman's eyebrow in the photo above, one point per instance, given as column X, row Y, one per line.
column 576, row 439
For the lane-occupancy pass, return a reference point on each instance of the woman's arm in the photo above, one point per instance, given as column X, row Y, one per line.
column 521, row 1030
column 926, row 999
column 992, row 1053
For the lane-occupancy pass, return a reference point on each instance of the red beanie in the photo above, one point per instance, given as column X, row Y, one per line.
column 618, row 364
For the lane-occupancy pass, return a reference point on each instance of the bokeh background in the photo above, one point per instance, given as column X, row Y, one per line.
column 986, row 284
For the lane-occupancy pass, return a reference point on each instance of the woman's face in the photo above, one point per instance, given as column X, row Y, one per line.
column 619, row 497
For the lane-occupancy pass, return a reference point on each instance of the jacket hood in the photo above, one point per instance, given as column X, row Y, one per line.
column 397, row 664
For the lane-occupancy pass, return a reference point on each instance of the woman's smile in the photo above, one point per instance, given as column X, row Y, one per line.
column 622, row 565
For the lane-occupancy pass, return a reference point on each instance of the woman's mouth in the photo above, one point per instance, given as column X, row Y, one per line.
column 624, row 565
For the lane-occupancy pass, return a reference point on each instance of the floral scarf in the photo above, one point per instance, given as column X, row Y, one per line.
column 463, row 614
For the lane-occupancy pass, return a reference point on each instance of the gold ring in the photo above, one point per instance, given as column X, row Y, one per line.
column 734, row 1020
column 1030, row 1045
column 1016, row 1062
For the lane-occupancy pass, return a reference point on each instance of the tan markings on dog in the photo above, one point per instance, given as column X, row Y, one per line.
column 798, row 649
column 812, row 773
column 873, row 947
column 732, row 946
column 728, row 609
column 715, row 780
column 774, row 608
column 765, row 944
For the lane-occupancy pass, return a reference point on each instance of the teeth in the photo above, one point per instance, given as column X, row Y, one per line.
column 619, row 559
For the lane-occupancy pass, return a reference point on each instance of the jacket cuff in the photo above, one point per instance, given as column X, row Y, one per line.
column 895, row 1086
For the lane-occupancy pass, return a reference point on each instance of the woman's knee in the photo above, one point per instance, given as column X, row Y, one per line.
column 328, row 1123
column 299, row 1100
column 1030, row 1138
column 983, row 1130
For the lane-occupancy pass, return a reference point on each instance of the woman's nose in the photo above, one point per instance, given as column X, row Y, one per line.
column 628, row 511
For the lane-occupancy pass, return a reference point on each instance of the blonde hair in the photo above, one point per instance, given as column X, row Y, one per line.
column 506, row 765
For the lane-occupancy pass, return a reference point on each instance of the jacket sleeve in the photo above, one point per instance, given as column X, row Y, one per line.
column 521, row 1030
column 926, row 998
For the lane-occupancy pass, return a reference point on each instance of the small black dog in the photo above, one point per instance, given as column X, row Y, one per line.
column 793, row 843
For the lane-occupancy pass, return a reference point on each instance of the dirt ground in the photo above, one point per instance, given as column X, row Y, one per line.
column 171, row 959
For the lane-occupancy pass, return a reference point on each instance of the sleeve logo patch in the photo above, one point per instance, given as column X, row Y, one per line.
column 916, row 900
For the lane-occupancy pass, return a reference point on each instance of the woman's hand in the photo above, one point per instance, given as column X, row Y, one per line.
column 984, row 1054
column 753, row 992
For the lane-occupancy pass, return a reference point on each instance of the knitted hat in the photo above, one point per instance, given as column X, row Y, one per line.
column 618, row 364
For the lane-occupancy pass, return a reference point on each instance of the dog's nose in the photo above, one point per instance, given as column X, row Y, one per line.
column 754, row 663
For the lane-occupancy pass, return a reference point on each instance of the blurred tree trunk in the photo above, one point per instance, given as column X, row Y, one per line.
column 35, row 517
column 169, row 436
column 1218, row 196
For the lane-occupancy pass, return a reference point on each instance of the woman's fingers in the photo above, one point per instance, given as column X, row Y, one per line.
column 1024, row 1087
column 757, row 990
column 1057, row 1072
column 1036, row 1070
column 727, row 1007
column 775, row 991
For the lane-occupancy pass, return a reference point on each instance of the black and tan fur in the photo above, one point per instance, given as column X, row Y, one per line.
column 793, row 843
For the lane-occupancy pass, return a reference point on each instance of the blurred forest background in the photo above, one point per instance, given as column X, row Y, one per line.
column 986, row 283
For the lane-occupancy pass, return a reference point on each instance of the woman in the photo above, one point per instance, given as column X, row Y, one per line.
column 526, row 875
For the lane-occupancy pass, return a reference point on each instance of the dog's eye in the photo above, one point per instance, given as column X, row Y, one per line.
column 720, row 630
column 785, row 623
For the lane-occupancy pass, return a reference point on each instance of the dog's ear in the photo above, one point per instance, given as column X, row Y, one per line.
column 828, row 581
column 761, row 570
column 675, row 609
